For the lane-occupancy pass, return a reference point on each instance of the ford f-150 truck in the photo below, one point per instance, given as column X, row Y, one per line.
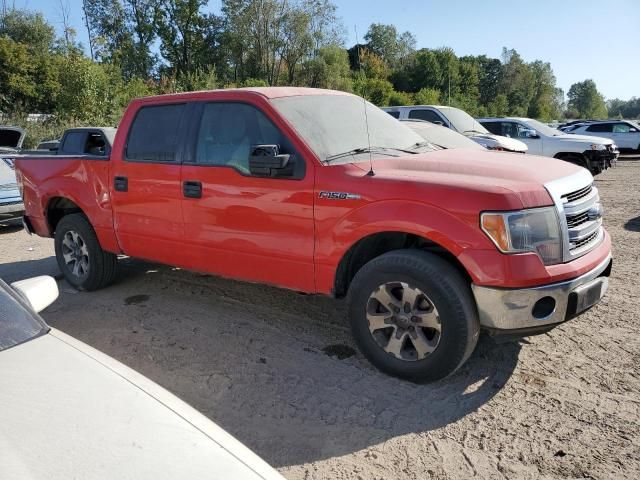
column 298, row 188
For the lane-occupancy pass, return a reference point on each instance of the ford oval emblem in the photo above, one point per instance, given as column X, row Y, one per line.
column 595, row 212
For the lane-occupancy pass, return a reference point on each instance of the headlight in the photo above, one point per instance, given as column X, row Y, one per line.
column 596, row 146
column 536, row 230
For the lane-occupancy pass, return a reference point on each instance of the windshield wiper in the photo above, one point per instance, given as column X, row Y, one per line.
column 357, row 151
column 474, row 131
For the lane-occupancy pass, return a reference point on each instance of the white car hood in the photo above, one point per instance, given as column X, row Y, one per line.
column 69, row 411
column 491, row 140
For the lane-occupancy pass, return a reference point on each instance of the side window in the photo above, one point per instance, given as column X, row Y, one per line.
column 228, row 133
column 493, row 127
column 95, row 144
column 73, row 143
column 509, row 129
column 600, row 127
column 153, row 136
column 428, row 115
column 621, row 128
column 394, row 114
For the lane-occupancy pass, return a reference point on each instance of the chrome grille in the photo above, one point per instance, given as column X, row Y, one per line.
column 579, row 209
column 578, row 194
column 577, row 220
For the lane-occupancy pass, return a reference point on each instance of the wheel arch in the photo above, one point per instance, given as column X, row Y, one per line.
column 58, row 207
column 376, row 244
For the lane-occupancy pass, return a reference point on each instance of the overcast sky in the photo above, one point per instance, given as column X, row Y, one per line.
column 585, row 39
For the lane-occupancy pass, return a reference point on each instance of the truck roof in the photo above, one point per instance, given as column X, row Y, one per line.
column 265, row 92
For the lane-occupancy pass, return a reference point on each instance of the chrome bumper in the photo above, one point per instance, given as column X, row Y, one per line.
column 529, row 308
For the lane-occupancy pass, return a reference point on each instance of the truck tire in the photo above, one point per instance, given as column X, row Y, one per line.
column 413, row 315
column 80, row 257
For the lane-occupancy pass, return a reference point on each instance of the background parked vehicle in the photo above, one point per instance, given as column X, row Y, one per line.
column 11, row 204
column 70, row 411
column 624, row 133
column 427, row 245
column 459, row 121
column 593, row 153
column 11, row 139
column 441, row 136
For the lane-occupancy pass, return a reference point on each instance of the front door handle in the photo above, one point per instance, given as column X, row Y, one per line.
column 192, row 189
column 121, row 184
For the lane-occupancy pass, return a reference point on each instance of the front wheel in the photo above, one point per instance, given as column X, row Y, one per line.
column 80, row 257
column 413, row 315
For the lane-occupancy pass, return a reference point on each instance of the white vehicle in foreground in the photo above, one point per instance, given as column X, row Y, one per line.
column 69, row 411
column 594, row 153
column 459, row 121
column 624, row 133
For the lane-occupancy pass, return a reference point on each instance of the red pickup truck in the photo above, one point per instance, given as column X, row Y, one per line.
column 321, row 192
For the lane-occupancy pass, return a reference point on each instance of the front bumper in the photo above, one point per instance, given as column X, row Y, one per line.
column 538, row 309
column 602, row 159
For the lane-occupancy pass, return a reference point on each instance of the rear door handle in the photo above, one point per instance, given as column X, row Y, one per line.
column 192, row 189
column 121, row 184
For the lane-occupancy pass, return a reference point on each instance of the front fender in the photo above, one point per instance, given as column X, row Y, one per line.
column 456, row 233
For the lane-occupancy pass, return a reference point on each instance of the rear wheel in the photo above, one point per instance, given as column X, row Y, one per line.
column 412, row 315
column 80, row 257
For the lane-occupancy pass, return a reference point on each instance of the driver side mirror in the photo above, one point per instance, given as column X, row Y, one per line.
column 39, row 292
column 266, row 161
column 530, row 134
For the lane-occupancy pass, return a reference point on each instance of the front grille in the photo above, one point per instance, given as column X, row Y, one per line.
column 578, row 194
column 583, row 226
column 585, row 241
column 578, row 204
column 577, row 220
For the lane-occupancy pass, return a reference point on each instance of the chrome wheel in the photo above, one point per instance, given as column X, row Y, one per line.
column 403, row 321
column 75, row 254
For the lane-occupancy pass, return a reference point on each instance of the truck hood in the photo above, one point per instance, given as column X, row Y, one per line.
column 492, row 141
column 69, row 411
column 513, row 180
column 567, row 137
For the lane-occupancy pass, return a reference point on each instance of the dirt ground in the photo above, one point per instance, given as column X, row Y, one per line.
column 278, row 370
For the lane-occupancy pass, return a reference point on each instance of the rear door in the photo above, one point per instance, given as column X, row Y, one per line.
column 145, row 184
column 237, row 224
column 626, row 135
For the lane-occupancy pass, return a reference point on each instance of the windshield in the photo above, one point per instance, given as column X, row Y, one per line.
column 17, row 323
column 542, row 129
column 462, row 121
column 334, row 124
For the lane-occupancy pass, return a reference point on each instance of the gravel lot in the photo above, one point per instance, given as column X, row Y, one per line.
column 277, row 369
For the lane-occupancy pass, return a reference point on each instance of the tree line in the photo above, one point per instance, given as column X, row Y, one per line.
column 143, row 47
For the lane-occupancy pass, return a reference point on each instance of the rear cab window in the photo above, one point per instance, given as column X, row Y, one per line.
column 154, row 135
column 84, row 142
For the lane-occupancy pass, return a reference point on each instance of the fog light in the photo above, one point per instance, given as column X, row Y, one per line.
column 543, row 307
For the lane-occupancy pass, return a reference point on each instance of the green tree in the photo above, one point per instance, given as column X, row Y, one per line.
column 585, row 99
column 427, row 96
column 388, row 44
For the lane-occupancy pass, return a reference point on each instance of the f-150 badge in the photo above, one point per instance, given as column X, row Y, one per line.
column 339, row 195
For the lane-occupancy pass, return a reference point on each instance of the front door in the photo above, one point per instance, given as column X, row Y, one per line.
column 241, row 225
column 145, row 185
